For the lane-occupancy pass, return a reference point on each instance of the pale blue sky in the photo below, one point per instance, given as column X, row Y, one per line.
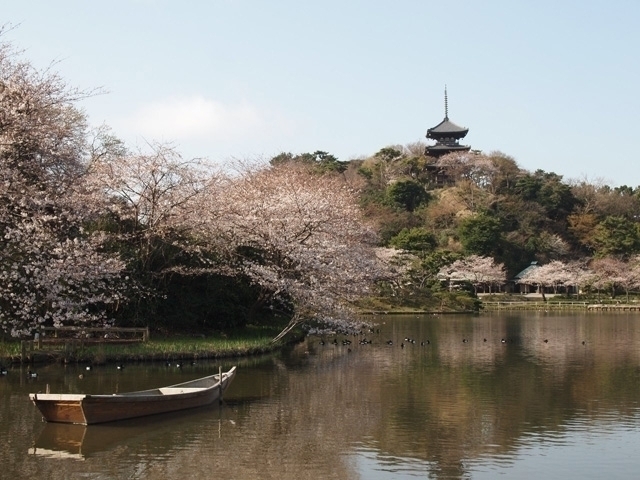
column 552, row 83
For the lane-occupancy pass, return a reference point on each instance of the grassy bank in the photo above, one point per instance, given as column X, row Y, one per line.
column 249, row 341
column 444, row 302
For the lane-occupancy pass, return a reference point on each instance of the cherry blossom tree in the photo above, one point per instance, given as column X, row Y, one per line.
column 41, row 131
column 633, row 274
column 476, row 168
column 52, row 270
column 478, row 271
column 612, row 272
column 405, row 272
column 47, row 281
column 298, row 235
column 577, row 275
column 552, row 245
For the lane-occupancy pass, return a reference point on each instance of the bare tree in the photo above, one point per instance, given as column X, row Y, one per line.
column 598, row 198
column 156, row 190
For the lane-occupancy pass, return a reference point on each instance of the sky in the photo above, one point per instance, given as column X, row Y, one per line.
column 554, row 84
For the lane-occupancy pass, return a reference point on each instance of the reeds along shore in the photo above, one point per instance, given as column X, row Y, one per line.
column 183, row 348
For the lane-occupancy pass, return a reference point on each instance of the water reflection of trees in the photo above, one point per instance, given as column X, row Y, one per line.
column 482, row 397
column 445, row 404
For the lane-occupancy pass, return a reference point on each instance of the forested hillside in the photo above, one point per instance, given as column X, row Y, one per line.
column 485, row 204
column 479, row 205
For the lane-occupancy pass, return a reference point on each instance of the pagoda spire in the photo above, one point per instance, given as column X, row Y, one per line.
column 446, row 104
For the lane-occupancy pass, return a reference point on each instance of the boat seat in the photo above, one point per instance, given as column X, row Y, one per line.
column 176, row 390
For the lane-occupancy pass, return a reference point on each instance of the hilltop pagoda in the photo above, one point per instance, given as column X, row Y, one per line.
column 447, row 135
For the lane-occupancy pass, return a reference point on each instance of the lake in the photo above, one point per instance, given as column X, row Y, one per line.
column 518, row 396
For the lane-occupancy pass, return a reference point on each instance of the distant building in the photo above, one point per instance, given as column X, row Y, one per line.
column 525, row 287
column 446, row 135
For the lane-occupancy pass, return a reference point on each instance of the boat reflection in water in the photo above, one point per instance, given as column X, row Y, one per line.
column 157, row 433
column 63, row 440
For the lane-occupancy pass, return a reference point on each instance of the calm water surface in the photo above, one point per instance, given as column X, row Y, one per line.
column 485, row 398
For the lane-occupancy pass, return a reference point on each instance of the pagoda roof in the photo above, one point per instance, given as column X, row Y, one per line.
column 447, row 126
column 444, row 148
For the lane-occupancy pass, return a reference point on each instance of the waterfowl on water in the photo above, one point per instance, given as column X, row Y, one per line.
column 3, row 370
column 31, row 374
column 464, row 340
column 88, row 368
column 120, row 366
column 502, row 340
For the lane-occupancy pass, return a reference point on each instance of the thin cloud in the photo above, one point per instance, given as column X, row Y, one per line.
column 192, row 118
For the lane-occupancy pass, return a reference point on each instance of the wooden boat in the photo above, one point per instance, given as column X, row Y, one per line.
column 89, row 409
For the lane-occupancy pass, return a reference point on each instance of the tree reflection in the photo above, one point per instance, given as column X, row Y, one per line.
column 334, row 411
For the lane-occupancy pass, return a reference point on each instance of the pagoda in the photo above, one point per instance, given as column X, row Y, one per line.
column 447, row 135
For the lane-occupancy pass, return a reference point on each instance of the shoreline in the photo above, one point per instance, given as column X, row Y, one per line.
column 185, row 348
column 159, row 349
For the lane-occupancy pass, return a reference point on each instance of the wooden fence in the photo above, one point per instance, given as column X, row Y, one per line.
column 95, row 333
column 547, row 306
column 615, row 307
column 51, row 339
column 492, row 306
